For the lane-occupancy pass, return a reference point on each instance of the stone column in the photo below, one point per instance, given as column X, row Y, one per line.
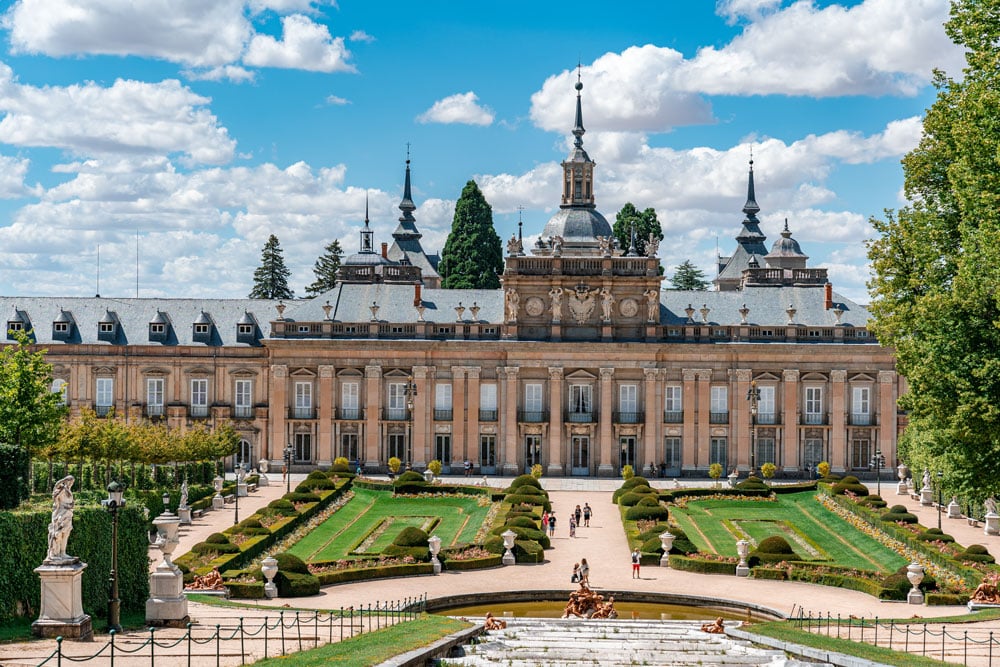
column 459, row 445
column 606, row 466
column 511, row 460
column 555, row 446
column 373, row 405
column 689, row 442
column 420, row 418
column 741, row 406
column 472, row 413
column 324, row 400
column 652, row 410
column 886, row 418
column 838, row 419
column 790, row 415
column 704, row 409
column 278, row 413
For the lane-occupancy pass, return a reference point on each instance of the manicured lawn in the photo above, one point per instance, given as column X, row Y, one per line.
column 814, row 533
column 379, row 515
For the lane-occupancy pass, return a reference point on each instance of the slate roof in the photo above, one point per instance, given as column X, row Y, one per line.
column 352, row 303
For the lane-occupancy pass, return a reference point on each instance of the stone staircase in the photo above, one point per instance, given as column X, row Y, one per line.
column 540, row 642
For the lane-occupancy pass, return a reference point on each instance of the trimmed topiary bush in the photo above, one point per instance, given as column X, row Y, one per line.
column 934, row 535
column 852, row 484
column 283, row 507
column 300, row 497
column 317, row 474
column 534, row 534
column 898, row 514
column 650, row 500
column 521, row 521
column 753, row 483
column 773, row 549
column 522, row 480
column 652, row 546
column 658, row 513
column 411, row 536
column 217, row 538
column 977, row 553
column 541, row 501
column 293, row 578
column 896, row 585
column 873, row 501
column 409, row 477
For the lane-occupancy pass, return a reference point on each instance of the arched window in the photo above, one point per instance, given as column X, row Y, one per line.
column 60, row 386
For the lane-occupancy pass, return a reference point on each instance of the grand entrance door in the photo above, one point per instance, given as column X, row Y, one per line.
column 671, row 462
column 580, row 455
column 488, row 454
column 812, row 455
column 626, row 448
column 532, row 451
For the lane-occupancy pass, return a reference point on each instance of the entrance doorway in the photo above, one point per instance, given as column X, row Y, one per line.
column 488, row 454
column 626, row 455
column 580, row 455
column 532, row 451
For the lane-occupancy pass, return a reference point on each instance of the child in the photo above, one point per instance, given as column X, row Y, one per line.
column 636, row 557
column 552, row 525
column 572, row 526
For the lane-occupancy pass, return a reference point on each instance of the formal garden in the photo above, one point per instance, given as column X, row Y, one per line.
column 830, row 532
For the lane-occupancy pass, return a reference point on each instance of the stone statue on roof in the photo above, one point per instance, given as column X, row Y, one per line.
column 512, row 304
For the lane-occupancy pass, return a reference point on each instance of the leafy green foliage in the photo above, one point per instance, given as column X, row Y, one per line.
column 687, row 276
column 270, row 279
column 325, row 269
column 472, row 257
column 645, row 223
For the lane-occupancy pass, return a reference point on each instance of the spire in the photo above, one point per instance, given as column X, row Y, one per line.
column 578, row 129
column 366, row 232
column 407, row 227
column 407, row 203
column 750, row 237
column 578, row 168
column 751, row 209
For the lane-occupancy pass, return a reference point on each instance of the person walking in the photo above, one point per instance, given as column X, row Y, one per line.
column 584, row 572
column 587, row 513
column 545, row 521
column 552, row 525
column 578, row 515
column 572, row 526
column 636, row 557
column 575, row 578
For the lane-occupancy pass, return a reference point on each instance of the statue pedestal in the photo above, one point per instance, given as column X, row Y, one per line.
column 926, row 496
column 263, row 480
column 61, row 613
column 167, row 605
column 742, row 571
column 902, row 489
column 185, row 514
column 915, row 596
column 241, row 490
column 954, row 510
column 991, row 524
column 218, row 502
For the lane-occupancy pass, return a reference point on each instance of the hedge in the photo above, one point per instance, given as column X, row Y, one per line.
column 473, row 563
column 244, row 590
column 673, row 494
column 529, row 500
column 689, row 564
column 528, row 551
column 645, row 512
column 949, row 599
column 381, row 572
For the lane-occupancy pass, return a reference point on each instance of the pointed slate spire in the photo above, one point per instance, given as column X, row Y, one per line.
column 407, row 227
column 751, row 209
column 750, row 237
column 407, row 203
column 578, row 129
column 366, row 232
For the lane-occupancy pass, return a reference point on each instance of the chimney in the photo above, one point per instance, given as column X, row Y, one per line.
column 828, row 293
column 385, row 250
column 416, row 293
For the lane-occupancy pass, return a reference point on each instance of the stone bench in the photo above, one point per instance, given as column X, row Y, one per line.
column 231, row 498
column 251, row 487
column 973, row 522
column 197, row 514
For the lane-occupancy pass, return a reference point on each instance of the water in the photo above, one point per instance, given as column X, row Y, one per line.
column 642, row 610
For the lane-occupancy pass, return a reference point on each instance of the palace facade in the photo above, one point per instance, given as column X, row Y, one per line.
column 580, row 363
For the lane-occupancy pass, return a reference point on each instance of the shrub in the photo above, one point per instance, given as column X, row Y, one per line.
column 409, row 477
column 897, row 586
column 530, row 500
column 652, row 546
column 417, row 553
column 873, row 501
column 289, row 563
column 521, row 480
column 638, row 512
column 632, row 498
column 753, row 483
column 632, row 482
column 394, row 464
column 293, row 585
column 899, row 517
column 850, row 483
column 341, row 461
column 283, row 507
column 215, row 548
column 768, row 470
column 317, row 474
column 934, row 535
column 217, row 538
column 526, row 490
column 300, row 497
column 494, row 544
column 977, row 553
column 715, row 470
column 649, row 500
column 435, row 467
column 521, row 521
column 628, row 472
column 775, row 544
column 323, row 483
column 823, row 468
column 533, row 534
column 411, row 536
column 528, row 551
column 536, row 470
column 654, row 532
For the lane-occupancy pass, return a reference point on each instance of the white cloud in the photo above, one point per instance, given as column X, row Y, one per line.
column 12, row 173
column 129, row 117
column 333, row 100
column 737, row 9
column 287, row 6
column 233, row 73
column 305, row 45
column 459, row 108
column 360, row 36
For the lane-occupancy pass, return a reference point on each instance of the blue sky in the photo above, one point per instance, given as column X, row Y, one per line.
column 203, row 127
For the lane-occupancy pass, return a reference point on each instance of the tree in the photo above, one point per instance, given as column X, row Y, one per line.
column 936, row 270
column 645, row 223
column 689, row 277
column 325, row 269
column 30, row 415
column 472, row 257
column 270, row 279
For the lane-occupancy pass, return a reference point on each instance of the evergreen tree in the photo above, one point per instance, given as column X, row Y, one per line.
column 472, row 257
column 325, row 269
column 936, row 270
column 270, row 279
column 689, row 277
column 30, row 415
column 645, row 223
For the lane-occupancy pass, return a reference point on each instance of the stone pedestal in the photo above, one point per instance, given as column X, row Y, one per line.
column 915, row 596
column 61, row 613
column 184, row 513
column 954, row 510
column 262, row 480
column 991, row 524
column 241, row 490
column 554, row 470
column 605, row 470
column 926, row 496
column 167, row 606
column 902, row 489
column 218, row 502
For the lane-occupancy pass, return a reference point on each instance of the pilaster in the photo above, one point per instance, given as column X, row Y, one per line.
column 652, row 416
column 459, row 446
column 790, row 415
column 511, row 461
column 373, row 405
column 742, row 456
column 472, row 413
column 838, row 419
column 886, row 419
column 606, row 467
column 278, row 410
column 420, row 424
column 555, row 446
column 704, row 409
column 324, row 400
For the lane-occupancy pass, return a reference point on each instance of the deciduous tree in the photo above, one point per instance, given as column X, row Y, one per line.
column 645, row 222
column 472, row 257
column 270, row 279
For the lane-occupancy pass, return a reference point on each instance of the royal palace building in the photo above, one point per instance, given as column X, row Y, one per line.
column 581, row 362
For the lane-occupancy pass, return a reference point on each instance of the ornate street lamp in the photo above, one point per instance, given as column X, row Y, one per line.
column 237, row 469
column 288, row 468
column 410, row 391
column 113, row 503
column 940, row 478
column 753, row 395
column 877, row 462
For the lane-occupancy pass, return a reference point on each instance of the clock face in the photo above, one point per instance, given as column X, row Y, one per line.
column 628, row 307
column 534, row 306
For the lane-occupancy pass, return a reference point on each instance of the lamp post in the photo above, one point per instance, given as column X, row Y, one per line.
column 113, row 503
column 877, row 462
column 753, row 395
column 940, row 478
column 288, row 468
column 236, row 470
column 410, row 391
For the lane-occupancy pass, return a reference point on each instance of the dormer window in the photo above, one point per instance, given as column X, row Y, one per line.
column 201, row 328
column 60, row 327
column 106, row 327
column 244, row 330
column 15, row 326
column 157, row 328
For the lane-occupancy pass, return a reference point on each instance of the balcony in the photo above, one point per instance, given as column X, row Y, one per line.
column 198, row 411
column 350, row 414
column 673, row 416
column 532, row 416
column 154, row 410
column 814, row 418
column 861, row 419
column 627, row 417
column 243, row 411
column 767, row 418
column 395, row 414
column 488, row 415
column 442, row 414
column 718, row 417
column 103, row 410
column 302, row 412
column 579, row 417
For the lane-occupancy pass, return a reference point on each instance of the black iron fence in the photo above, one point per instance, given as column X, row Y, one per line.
column 256, row 638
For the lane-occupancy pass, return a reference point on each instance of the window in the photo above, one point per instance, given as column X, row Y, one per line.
column 442, row 448
column 303, row 400
column 16, row 325
column 396, row 445
column 349, row 446
column 104, row 396
column 861, row 453
column 628, row 404
column 106, row 327
column 154, row 397
column 673, row 408
column 201, row 328
column 350, row 401
column 487, row 451
column 442, row 402
column 860, row 406
column 302, row 450
column 719, row 412
column 244, row 329
column 199, row 397
column 532, row 450
column 765, row 450
column 244, row 453
column 533, row 402
column 303, row 328
column 157, row 328
column 580, row 402
column 717, row 452
column 814, row 405
column 396, row 409
column 672, row 454
column 487, row 402
column 244, row 399
column 59, row 386
column 765, row 406
column 60, row 327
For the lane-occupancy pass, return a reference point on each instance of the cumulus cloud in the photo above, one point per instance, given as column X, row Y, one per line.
column 129, row 117
column 733, row 10
column 305, row 45
column 461, row 108
column 12, row 174
column 360, row 36
column 333, row 100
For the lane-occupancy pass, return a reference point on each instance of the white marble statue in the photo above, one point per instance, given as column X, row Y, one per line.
column 514, row 246
column 607, row 302
column 652, row 245
column 556, row 295
column 512, row 304
column 991, row 505
column 927, row 478
column 557, row 244
column 184, row 495
column 605, row 242
column 62, row 521
column 652, row 304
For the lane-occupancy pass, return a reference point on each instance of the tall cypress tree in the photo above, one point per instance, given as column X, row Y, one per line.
column 472, row 257
column 270, row 279
column 325, row 269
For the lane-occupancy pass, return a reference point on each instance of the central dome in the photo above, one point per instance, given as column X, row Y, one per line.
column 577, row 226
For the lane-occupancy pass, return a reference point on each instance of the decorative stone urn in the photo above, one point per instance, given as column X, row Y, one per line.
column 902, row 472
column 434, row 544
column 742, row 550
column 954, row 509
column 269, row 568
column 262, row 467
column 218, row 502
column 667, row 542
column 508, row 543
column 734, row 477
column 428, row 475
column 915, row 573
column 167, row 605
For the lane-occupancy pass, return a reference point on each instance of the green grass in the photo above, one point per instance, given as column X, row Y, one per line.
column 784, row 631
column 815, row 533
column 18, row 629
column 374, row 647
column 454, row 519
